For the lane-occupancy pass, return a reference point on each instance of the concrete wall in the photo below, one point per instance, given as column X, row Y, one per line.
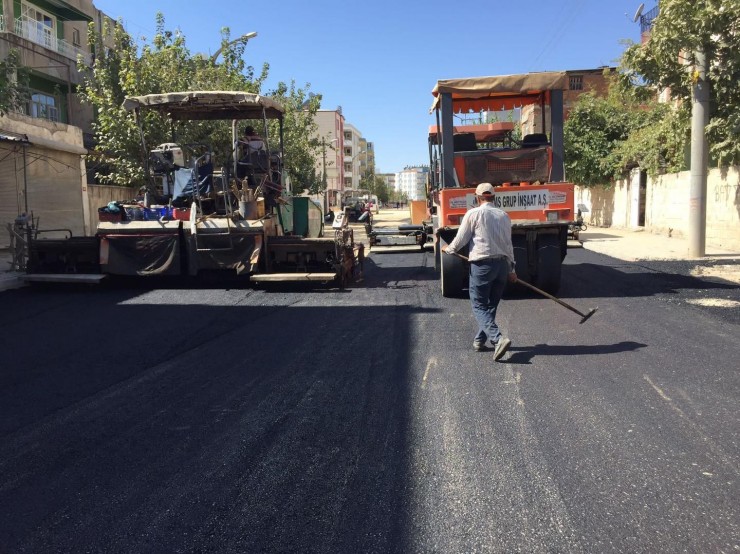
column 667, row 205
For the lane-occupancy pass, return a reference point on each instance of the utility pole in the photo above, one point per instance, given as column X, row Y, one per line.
column 323, row 174
column 699, row 157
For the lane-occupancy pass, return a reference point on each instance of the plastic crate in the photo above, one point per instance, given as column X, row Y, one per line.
column 183, row 214
column 111, row 216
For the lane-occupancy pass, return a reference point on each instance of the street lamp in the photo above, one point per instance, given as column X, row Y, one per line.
column 244, row 37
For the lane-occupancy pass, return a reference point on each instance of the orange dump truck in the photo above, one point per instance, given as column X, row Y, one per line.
column 527, row 173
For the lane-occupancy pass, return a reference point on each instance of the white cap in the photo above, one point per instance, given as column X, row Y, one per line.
column 484, row 188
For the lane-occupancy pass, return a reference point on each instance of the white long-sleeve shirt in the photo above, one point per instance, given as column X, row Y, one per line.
column 487, row 232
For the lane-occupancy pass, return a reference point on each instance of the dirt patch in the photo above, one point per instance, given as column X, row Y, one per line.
column 715, row 302
column 726, row 272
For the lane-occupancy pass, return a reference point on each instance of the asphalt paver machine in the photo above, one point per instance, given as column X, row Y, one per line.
column 201, row 214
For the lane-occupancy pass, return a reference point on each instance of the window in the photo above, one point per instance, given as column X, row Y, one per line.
column 43, row 106
column 348, row 167
column 576, row 82
column 76, row 37
column 348, row 135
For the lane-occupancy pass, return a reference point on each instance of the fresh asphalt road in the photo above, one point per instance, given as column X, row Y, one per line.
column 168, row 418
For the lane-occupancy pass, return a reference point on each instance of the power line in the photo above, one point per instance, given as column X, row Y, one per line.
column 568, row 18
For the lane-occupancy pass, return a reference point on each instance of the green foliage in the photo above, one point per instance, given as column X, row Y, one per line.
column 658, row 141
column 666, row 61
column 166, row 65
column 593, row 129
column 13, row 83
column 301, row 143
column 606, row 137
column 376, row 185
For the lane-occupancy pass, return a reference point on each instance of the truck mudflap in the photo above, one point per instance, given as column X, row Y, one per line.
column 539, row 251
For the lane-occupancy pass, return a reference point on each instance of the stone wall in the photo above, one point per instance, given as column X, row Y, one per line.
column 667, row 205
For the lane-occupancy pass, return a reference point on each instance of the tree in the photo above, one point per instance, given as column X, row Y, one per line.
column 13, row 83
column 166, row 65
column 666, row 61
column 605, row 137
column 302, row 145
column 376, row 185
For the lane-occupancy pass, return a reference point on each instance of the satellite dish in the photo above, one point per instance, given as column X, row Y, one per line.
column 638, row 13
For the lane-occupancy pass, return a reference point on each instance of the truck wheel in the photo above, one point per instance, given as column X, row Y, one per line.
column 549, row 263
column 453, row 275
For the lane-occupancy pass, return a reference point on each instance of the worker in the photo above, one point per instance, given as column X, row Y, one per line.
column 252, row 141
column 487, row 231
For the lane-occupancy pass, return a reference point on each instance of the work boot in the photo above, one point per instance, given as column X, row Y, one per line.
column 501, row 347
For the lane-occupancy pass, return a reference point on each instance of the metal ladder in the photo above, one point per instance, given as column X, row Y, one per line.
column 199, row 246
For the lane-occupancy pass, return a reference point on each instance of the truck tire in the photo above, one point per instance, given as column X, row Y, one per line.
column 549, row 263
column 453, row 275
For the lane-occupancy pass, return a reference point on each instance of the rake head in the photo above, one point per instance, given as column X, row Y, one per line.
column 588, row 314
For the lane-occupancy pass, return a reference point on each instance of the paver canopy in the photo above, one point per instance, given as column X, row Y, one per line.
column 502, row 92
column 211, row 105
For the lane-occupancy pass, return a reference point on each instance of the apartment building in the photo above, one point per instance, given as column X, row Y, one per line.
column 369, row 158
column 345, row 156
column 354, row 157
column 389, row 179
column 42, row 169
column 411, row 182
column 330, row 161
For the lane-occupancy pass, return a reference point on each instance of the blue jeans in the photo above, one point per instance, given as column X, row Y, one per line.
column 487, row 282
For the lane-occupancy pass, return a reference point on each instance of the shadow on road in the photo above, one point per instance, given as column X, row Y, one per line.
column 232, row 421
column 523, row 355
column 635, row 279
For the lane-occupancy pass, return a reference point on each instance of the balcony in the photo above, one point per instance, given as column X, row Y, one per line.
column 646, row 19
column 39, row 34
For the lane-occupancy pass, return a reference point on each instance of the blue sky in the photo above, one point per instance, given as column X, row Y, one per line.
column 380, row 59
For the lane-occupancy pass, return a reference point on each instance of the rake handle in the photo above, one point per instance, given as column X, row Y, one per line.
column 543, row 293
column 551, row 297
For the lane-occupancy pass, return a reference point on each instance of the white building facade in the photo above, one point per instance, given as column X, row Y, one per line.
column 412, row 182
